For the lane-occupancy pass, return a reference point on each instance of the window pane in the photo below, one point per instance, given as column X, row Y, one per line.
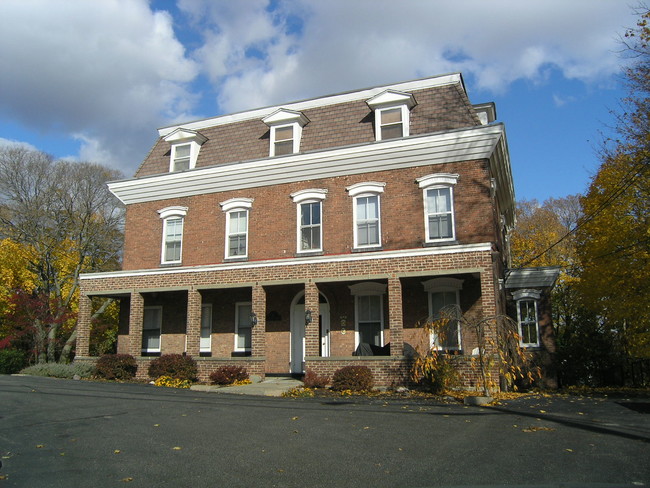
column 440, row 227
column 394, row 115
column 237, row 245
column 448, row 334
column 282, row 148
column 173, row 251
column 183, row 151
column 315, row 213
column 391, row 132
column 283, row 133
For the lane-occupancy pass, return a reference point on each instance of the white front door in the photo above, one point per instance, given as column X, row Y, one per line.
column 298, row 339
column 298, row 335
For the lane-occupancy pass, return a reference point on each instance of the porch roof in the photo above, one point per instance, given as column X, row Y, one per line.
column 542, row 277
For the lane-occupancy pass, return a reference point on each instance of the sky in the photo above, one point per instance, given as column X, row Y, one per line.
column 94, row 80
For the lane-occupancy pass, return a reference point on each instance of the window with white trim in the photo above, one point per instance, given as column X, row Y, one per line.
column 205, row 342
column 527, row 317
column 366, row 214
column 172, row 239
column 309, row 219
column 243, row 335
column 237, row 210
column 438, row 192
column 444, row 301
column 392, row 114
column 185, row 147
column 151, row 327
column 369, row 313
column 285, row 131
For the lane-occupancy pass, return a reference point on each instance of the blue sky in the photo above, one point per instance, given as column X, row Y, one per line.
column 94, row 80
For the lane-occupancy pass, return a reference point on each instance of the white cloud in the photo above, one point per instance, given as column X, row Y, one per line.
column 109, row 70
column 345, row 45
column 107, row 73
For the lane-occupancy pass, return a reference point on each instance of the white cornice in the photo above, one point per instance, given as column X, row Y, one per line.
column 260, row 113
column 445, row 147
column 402, row 253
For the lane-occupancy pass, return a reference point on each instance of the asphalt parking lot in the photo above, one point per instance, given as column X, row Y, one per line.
column 64, row 433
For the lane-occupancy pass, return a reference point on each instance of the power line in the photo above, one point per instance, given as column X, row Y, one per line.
column 643, row 165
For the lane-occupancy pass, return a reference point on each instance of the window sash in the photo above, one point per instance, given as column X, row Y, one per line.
column 283, row 142
column 528, row 323
column 391, row 123
column 369, row 319
column 310, row 226
column 367, row 224
column 237, row 233
column 173, row 239
column 439, row 208
column 182, row 157
column 243, row 334
column 151, row 329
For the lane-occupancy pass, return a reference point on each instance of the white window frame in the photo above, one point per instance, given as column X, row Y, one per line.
column 167, row 214
column 521, row 296
column 443, row 285
column 146, row 350
column 238, row 306
column 369, row 288
column 389, row 100
column 206, row 312
column 438, row 181
column 229, row 207
column 285, row 118
column 183, row 137
column 364, row 190
column 303, row 197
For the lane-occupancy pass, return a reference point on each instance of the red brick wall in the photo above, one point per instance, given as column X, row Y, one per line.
column 272, row 225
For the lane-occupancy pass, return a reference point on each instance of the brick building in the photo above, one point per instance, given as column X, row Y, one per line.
column 291, row 237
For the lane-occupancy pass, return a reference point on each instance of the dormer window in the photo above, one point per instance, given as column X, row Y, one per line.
column 392, row 114
column 185, row 146
column 286, row 131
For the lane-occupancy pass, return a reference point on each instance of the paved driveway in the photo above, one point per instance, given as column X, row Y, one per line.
column 60, row 433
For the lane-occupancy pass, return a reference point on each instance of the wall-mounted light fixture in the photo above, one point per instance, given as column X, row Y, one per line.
column 307, row 317
column 253, row 318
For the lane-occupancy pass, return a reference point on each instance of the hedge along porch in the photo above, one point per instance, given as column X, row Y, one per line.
column 206, row 311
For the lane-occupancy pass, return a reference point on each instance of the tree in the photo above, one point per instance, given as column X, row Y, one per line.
column 64, row 216
column 614, row 236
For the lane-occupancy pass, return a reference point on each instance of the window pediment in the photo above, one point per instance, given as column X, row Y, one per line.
column 236, row 203
column 368, row 187
column 368, row 288
column 309, row 194
column 285, row 116
column 176, row 211
column 390, row 98
column 437, row 179
column 443, row 284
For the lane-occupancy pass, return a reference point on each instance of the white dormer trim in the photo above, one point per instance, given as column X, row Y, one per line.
column 391, row 98
column 368, row 187
column 282, row 119
column 390, row 101
column 434, row 179
column 309, row 194
column 184, row 137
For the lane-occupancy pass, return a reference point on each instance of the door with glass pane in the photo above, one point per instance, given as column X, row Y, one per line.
column 206, row 329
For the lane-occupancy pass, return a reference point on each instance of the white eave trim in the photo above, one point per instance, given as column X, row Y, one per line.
column 444, row 147
column 402, row 253
column 449, row 79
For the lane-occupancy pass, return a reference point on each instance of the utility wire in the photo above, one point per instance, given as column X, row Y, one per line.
column 643, row 165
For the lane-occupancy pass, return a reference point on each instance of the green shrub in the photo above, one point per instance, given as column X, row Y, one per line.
column 57, row 370
column 353, row 378
column 11, row 361
column 313, row 380
column 175, row 366
column 228, row 375
column 116, row 367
